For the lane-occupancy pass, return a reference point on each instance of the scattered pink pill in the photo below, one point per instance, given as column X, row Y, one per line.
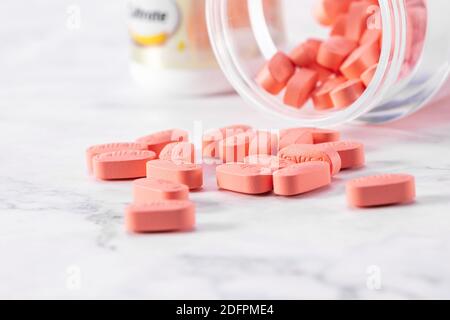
column 91, row 152
column 160, row 216
column 120, row 165
column 244, row 178
column 178, row 151
column 352, row 153
column 295, row 136
column 300, row 153
column 381, row 190
column 157, row 141
column 301, row 178
column 325, row 135
column 150, row 189
column 188, row 174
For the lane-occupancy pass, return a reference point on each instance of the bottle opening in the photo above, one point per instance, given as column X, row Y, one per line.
column 323, row 62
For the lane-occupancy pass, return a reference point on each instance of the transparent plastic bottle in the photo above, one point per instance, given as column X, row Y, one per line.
column 413, row 66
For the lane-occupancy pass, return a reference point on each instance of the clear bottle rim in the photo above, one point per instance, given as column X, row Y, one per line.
column 393, row 21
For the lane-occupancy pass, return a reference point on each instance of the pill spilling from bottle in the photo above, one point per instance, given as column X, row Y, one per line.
column 284, row 163
column 332, row 72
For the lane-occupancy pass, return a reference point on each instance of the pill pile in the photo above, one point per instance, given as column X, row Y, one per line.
column 334, row 72
column 288, row 162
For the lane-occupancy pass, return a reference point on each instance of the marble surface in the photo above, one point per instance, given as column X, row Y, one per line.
column 62, row 233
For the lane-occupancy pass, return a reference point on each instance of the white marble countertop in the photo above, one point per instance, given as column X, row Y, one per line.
column 62, row 233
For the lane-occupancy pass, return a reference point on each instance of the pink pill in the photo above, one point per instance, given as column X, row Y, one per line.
column 150, row 189
column 120, row 165
column 301, row 178
column 322, row 95
column 91, row 152
column 358, row 15
column 339, row 26
column 235, row 148
column 188, row 174
column 300, row 86
column 360, row 60
column 244, row 178
column 178, row 151
column 334, row 51
column 367, row 76
column 211, row 139
column 272, row 162
column 381, row 190
column 267, row 81
column 352, row 153
column 281, row 67
column 325, row 135
column 347, row 93
column 295, row 136
column 160, row 216
column 263, row 142
column 305, row 54
column 157, row 141
column 300, row 153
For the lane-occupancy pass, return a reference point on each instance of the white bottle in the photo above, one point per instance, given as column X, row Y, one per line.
column 170, row 48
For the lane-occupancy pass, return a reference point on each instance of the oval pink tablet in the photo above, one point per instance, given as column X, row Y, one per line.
column 157, row 141
column 121, row 165
column 178, row 151
column 381, row 190
column 91, row 152
column 244, row 178
column 160, row 216
column 301, row 178
column 300, row 153
column 188, row 174
column 150, row 189
column 352, row 153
